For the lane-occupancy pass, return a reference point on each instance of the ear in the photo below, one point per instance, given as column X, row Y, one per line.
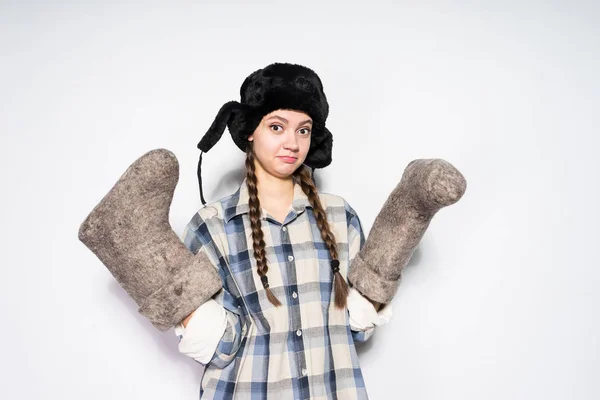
column 251, row 137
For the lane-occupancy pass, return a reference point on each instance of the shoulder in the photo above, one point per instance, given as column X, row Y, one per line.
column 337, row 204
column 213, row 212
column 206, row 230
column 207, row 221
column 334, row 200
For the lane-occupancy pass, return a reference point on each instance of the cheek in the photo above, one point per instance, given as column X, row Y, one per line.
column 268, row 148
column 305, row 146
column 272, row 147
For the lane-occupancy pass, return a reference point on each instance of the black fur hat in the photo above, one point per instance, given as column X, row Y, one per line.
column 277, row 86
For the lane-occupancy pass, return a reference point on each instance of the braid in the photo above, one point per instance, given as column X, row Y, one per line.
column 306, row 182
column 258, row 242
column 308, row 186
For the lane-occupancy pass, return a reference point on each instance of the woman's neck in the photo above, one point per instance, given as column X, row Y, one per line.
column 272, row 189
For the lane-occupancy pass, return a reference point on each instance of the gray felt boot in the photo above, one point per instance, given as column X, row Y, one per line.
column 129, row 232
column 427, row 185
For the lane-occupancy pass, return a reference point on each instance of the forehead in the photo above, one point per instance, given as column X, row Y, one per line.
column 290, row 115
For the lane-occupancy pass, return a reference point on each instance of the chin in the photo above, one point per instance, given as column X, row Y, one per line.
column 286, row 171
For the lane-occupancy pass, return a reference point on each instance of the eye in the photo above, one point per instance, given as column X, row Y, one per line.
column 279, row 126
column 306, row 131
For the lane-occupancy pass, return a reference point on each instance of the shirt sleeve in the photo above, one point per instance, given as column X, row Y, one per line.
column 214, row 333
column 362, row 315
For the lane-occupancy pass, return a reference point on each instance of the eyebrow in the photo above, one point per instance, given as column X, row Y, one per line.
column 286, row 121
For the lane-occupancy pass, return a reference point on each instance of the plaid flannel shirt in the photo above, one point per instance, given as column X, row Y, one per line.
column 303, row 349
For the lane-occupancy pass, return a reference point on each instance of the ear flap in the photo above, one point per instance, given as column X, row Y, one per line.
column 214, row 133
column 320, row 154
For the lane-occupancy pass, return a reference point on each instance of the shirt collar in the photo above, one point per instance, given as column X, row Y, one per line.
column 238, row 203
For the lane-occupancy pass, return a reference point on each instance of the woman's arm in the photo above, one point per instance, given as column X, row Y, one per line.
column 364, row 313
column 212, row 334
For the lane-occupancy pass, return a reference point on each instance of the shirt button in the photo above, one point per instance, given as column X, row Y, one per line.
column 290, row 258
column 294, row 294
column 304, row 371
column 284, row 229
column 299, row 332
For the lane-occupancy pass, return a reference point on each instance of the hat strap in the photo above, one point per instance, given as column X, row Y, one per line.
column 200, row 179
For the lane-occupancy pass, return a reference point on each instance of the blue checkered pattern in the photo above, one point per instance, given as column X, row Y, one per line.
column 303, row 349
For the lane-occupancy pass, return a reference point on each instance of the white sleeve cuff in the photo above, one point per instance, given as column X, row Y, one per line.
column 203, row 332
column 362, row 313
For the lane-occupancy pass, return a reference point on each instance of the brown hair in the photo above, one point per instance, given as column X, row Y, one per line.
column 303, row 176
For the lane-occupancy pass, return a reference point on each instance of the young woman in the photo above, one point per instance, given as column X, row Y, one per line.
column 285, row 322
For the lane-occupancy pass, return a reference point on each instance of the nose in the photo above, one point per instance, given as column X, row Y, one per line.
column 291, row 141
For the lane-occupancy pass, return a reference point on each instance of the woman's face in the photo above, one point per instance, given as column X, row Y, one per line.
column 281, row 141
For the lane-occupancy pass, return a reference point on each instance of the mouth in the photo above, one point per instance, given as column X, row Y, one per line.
column 289, row 160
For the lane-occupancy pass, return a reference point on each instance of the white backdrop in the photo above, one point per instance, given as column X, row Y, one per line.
column 500, row 300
